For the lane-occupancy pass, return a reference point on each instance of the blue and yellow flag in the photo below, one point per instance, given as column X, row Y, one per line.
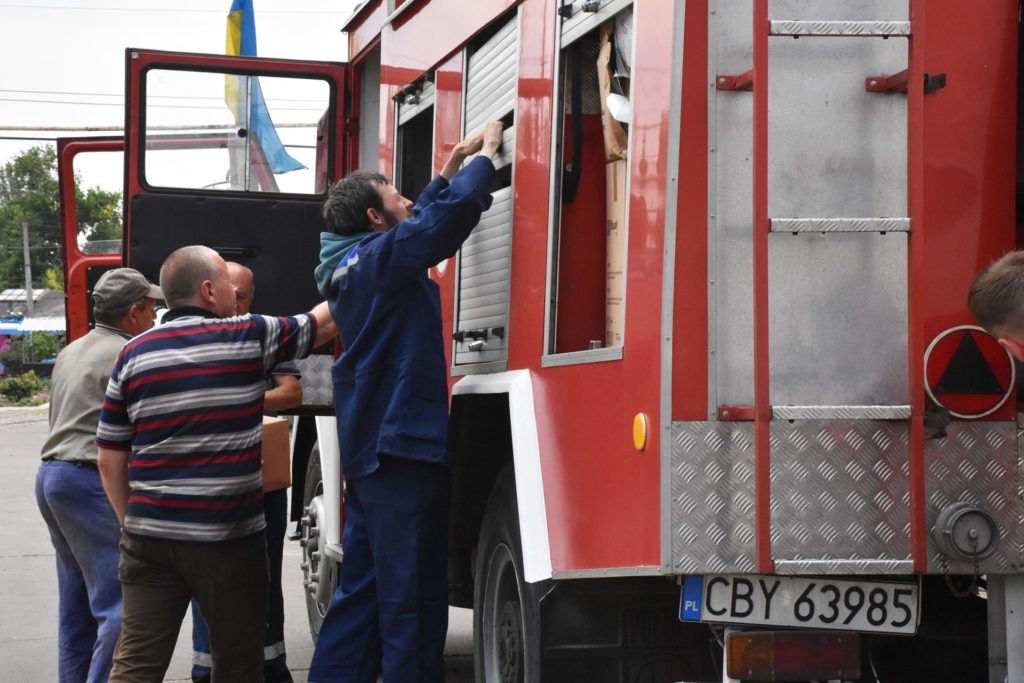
column 241, row 40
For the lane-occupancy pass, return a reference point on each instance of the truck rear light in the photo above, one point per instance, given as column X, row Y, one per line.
column 789, row 655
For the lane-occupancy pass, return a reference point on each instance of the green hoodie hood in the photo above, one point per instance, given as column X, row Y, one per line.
column 333, row 248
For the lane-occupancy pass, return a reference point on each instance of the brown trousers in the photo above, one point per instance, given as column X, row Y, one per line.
column 158, row 579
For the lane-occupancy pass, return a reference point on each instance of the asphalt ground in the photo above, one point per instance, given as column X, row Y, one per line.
column 28, row 578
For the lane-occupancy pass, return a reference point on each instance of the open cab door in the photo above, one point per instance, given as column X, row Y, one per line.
column 84, row 259
column 237, row 154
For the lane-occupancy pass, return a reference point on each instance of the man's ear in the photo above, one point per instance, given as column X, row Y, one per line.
column 374, row 218
column 1016, row 348
column 206, row 290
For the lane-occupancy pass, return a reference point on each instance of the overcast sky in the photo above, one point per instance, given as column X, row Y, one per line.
column 62, row 61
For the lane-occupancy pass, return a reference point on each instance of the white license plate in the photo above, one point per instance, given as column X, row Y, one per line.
column 802, row 602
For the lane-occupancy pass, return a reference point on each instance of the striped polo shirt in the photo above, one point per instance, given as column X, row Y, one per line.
column 186, row 399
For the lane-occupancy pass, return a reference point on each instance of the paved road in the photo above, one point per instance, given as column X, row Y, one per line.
column 28, row 647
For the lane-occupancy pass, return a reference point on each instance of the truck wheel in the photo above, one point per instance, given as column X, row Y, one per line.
column 319, row 572
column 506, row 611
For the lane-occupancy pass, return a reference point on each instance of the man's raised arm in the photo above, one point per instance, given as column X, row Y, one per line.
column 487, row 143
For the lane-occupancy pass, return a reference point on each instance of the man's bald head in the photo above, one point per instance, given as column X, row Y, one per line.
column 197, row 276
column 242, row 280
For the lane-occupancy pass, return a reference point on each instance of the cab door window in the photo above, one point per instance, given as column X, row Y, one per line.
column 232, row 132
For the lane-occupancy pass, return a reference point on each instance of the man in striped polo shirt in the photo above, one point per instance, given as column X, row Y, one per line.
column 179, row 454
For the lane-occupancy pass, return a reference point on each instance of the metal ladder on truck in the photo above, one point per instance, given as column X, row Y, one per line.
column 1006, row 593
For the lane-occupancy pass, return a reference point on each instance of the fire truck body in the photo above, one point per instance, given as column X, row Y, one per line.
column 715, row 346
column 777, row 374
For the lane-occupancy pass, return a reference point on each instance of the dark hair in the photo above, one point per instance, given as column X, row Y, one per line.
column 345, row 208
column 184, row 271
column 996, row 297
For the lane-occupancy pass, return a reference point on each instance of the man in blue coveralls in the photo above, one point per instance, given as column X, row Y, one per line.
column 390, row 613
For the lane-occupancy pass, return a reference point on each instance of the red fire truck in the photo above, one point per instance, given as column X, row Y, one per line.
column 718, row 411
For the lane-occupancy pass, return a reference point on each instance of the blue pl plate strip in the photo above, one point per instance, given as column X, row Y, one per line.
column 693, row 595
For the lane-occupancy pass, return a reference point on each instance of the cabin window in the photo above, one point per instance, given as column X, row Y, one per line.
column 232, row 132
column 587, row 259
column 99, row 231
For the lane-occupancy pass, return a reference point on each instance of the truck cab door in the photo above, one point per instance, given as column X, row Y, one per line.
column 237, row 154
column 84, row 259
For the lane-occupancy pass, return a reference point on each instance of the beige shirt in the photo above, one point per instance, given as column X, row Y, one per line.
column 79, row 383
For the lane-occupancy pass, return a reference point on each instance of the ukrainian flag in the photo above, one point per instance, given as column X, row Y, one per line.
column 241, row 40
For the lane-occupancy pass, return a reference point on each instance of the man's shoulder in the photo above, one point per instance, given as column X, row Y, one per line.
column 372, row 243
column 95, row 340
column 361, row 258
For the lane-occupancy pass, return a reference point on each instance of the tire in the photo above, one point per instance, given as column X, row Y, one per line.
column 506, row 610
column 319, row 573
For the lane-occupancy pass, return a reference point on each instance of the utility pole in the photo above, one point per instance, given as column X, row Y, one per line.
column 29, row 303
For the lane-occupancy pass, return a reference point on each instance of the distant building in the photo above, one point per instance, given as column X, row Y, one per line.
column 45, row 303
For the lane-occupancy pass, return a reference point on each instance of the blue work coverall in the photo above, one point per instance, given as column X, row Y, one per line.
column 390, row 613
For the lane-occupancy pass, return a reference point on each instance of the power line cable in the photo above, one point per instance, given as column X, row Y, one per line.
column 170, row 10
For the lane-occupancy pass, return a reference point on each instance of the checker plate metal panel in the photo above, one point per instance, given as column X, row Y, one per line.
column 317, row 386
column 840, row 494
column 712, row 497
column 980, row 463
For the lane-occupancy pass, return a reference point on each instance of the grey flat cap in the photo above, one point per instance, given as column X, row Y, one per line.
column 117, row 289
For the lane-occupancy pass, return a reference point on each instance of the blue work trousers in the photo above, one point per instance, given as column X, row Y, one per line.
column 85, row 533
column 389, row 615
column 275, row 664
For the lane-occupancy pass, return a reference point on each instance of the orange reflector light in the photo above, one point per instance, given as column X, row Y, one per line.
column 640, row 431
column 789, row 655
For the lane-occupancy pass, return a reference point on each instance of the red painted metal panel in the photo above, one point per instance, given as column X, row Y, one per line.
column 76, row 264
column 962, row 210
column 762, row 399
column 603, row 496
column 534, row 116
column 364, row 30
column 428, row 33
column 969, row 162
column 690, row 302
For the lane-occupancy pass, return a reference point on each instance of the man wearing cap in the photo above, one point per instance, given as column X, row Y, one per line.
column 82, row 525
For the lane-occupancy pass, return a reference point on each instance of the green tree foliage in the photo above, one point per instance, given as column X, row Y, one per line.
column 29, row 191
column 24, row 389
column 54, row 278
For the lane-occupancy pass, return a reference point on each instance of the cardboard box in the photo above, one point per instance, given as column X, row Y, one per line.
column 277, row 466
column 615, row 259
